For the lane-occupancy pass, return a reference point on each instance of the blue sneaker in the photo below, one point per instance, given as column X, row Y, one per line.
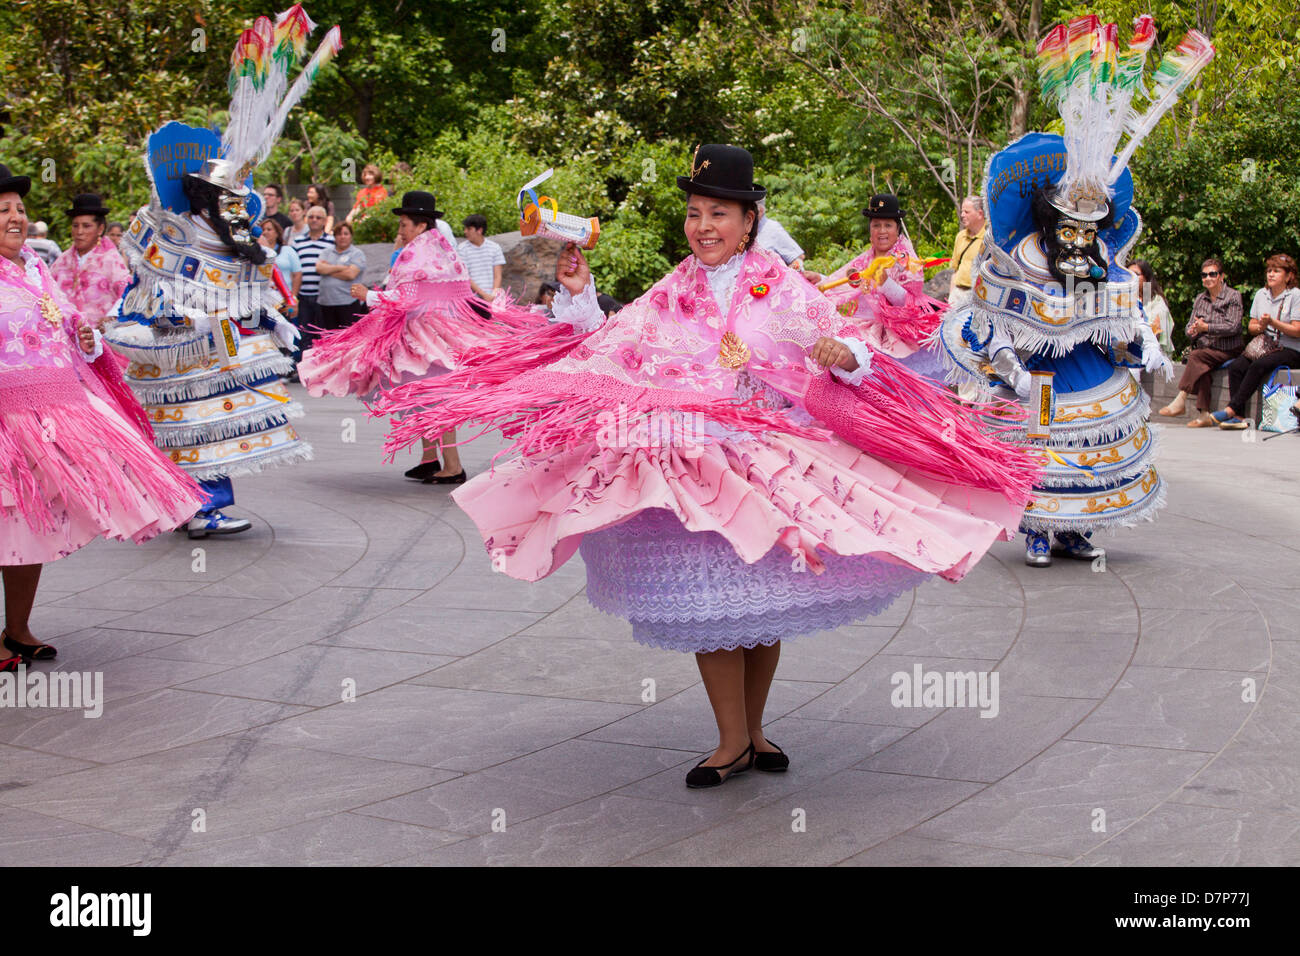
column 214, row 522
column 1071, row 544
column 1038, row 553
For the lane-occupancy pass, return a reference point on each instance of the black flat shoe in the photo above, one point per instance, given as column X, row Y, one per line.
column 771, row 763
column 456, row 479
column 30, row 652
column 424, row 471
column 702, row 776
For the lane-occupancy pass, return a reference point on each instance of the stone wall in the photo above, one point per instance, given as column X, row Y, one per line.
column 1162, row 393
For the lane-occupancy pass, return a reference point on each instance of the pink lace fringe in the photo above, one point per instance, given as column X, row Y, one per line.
column 545, row 412
column 897, row 416
column 59, row 453
column 378, row 347
column 914, row 321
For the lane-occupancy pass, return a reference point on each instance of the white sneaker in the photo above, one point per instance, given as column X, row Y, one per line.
column 214, row 522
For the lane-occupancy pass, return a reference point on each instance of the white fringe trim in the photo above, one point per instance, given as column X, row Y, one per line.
column 1028, row 338
column 301, row 451
column 231, row 426
column 213, row 383
column 1083, row 523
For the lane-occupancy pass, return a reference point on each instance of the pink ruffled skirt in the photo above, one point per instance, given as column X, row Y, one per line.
column 734, row 543
column 70, row 474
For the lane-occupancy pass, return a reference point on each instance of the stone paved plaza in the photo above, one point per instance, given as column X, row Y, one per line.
column 1148, row 710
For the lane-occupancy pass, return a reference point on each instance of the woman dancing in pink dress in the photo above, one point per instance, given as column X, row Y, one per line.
column 735, row 469
column 77, row 459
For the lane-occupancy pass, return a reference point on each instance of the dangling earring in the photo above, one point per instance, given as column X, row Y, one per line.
column 744, row 241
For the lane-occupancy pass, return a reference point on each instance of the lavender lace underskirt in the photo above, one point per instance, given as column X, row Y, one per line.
column 927, row 362
column 689, row 591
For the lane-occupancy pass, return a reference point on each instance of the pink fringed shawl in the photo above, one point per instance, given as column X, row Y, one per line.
column 41, row 365
column 94, row 282
column 666, row 351
column 49, row 436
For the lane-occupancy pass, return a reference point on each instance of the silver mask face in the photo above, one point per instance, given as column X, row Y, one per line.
column 234, row 213
column 1075, row 236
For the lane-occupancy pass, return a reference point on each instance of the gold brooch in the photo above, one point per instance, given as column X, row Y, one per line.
column 732, row 352
column 696, row 170
column 50, row 311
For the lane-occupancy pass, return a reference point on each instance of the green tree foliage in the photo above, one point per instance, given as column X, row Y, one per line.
column 837, row 99
column 85, row 82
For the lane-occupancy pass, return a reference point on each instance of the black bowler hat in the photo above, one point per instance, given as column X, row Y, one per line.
column 9, row 183
column 418, row 204
column 722, row 172
column 87, row 204
column 883, row 206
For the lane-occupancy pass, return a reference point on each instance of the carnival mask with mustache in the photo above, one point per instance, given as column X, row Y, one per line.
column 1073, row 252
column 227, row 214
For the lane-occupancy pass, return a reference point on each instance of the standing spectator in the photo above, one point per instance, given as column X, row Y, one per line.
column 964, row 250
column 371, row 194
column 1215, row 333
column 339, row 268
column 310, row 249
column 115, row 232
column 1275, row 318
column 1154, row 306
column 272, row 196
column 286, row 260
column 483, row 258
column 39, row 242
column 297, row 228
column 317, row 196
column 773, row 236
column 91, row 274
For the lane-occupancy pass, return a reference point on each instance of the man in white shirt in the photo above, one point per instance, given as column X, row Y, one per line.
column 773, row 237
column 39, row 242
column 483, row 258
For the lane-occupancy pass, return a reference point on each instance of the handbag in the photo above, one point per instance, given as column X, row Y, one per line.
column 1277, row 413
column 1260, row 346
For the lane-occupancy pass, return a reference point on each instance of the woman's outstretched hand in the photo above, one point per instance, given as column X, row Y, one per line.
column 572, row 271
column 827, row 352
column 86, row 338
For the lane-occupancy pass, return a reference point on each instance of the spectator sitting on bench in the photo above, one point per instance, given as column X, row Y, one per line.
column 1275, row 320
column 1215, row 333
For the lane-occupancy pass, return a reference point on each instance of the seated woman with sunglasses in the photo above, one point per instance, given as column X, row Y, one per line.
column 1215, row 333
column 1275, row 322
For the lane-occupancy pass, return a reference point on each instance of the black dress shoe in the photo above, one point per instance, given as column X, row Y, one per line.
column 424, row 471
column 30, row 652
column 456, row 479
column 702, row 776
column 772, row 763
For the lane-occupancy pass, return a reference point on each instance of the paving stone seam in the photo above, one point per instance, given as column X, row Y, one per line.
column 1214, row 754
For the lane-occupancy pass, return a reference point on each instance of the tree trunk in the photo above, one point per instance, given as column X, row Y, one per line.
column 1020, row 109
column 365, row 108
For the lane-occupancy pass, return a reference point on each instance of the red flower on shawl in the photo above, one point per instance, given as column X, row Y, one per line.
column 32, row 340
column 672, row 371
column 581, row 352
